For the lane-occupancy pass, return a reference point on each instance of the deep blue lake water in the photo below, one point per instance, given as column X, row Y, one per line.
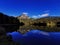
column 37, row 37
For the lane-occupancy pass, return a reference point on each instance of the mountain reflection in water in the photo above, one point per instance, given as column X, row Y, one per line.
column 36, row 37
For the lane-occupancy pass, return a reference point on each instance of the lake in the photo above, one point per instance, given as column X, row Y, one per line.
column 36, row 37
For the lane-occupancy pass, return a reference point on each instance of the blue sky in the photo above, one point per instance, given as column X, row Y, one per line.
column 32, row 7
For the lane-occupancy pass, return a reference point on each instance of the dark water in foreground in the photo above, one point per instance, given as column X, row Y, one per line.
column 36, row 37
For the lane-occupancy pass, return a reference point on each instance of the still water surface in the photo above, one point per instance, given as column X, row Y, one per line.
column 36, row 37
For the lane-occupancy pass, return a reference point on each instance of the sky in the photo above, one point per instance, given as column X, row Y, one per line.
column 34, row 8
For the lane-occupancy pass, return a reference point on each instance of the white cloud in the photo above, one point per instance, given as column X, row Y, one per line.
column 25, row 13
column 44, row 15
column 34, row 16
column 40, row 16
